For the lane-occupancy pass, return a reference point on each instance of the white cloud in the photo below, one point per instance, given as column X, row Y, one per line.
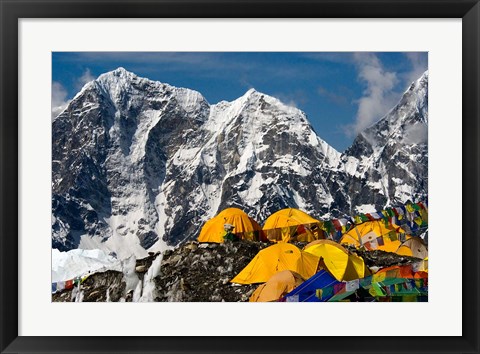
column 295, row 98
column 60, row 94
column 85, row 78
column 378, row 96
column 419, row 62
column 59, row 98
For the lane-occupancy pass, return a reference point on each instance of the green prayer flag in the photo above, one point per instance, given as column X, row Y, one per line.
column 376, row 290
column 392, row 235
column 328, row 226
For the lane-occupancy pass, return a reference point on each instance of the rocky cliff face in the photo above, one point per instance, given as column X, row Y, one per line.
column 387, row 163
column 137, row 164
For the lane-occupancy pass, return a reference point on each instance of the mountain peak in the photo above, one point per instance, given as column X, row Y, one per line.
column 119, row 73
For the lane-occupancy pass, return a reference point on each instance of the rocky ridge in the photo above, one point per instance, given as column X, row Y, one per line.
column 199, row 272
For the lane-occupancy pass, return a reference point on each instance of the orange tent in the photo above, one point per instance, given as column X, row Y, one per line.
column 277, row 286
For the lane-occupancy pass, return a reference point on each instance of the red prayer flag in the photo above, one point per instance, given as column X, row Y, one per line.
column 69, row 284
column 337, row 225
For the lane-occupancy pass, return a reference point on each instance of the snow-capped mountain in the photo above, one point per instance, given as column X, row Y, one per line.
column 387, row 163
column 137, row 163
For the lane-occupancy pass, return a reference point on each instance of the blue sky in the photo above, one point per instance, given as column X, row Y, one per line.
column 341, row 93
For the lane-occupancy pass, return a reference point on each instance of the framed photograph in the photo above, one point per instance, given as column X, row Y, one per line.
column 167, row 166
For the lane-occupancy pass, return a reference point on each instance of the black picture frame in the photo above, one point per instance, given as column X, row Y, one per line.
column 12, row 11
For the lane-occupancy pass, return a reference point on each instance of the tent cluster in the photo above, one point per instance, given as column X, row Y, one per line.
column 325, row 270
column 291, row 224
column 283, row 226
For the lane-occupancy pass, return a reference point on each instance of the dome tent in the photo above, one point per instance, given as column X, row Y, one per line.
column 277, row 286
column 342, row 265
column 292, row 224
column 243, row 226
column 374, row 235
column 413, row 247
column 276, row 258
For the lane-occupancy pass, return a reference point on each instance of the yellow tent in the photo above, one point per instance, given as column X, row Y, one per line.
column 292, row 224
column 342, row 265
column 214, row 229
column 273, row 259
column 414, row 247
column 366, row 234
column 314, row 242
column 277, row 286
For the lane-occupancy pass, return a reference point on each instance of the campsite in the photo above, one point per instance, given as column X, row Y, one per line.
column 373, row 257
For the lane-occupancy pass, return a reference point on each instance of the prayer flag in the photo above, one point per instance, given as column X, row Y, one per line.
column 337, row 224
column 380, row 241
column 376, row 290
column 339, row 288
column 293, row 298
column 69, row 284
column 328, row 291
column 352, row 285
column 418, row 221
column 392, row 235
column 60, row 285
column 328, row 226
